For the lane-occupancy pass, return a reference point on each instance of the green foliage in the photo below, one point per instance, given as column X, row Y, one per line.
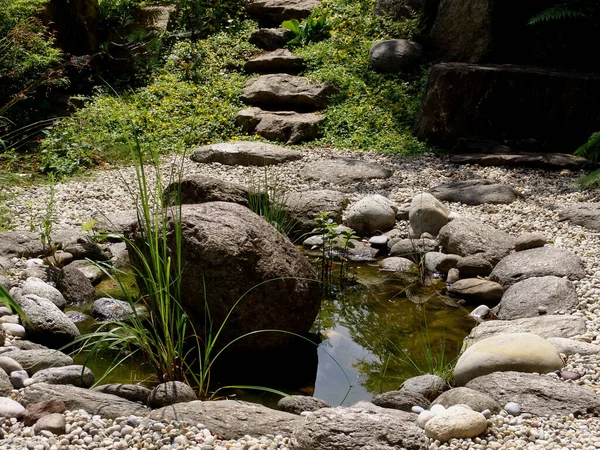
column 591, row 151
column 48, row 218
column 334, row 249
column 27, row 57
column 192, row 101
column 269, row 202
column 204, row 17
column 314, row 28
column 556, row 12
column 370, row 111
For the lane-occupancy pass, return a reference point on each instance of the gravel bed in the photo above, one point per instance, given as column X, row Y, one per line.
column 545, row 193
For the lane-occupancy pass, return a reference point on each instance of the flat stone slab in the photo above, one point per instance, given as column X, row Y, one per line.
column 344, row 170
column 107, row 405
column 522, row 159
column 201, row 189
column 270, row 38
column 231, row 419
column 545, row 326
column 572, row 346
column 538, row 394
column 244, row 154
column 276, row 11
column 537, row 262
column 277, row 61
column 285, row 126
column 475, row 192
column 584, row 214
column 27, row 244
column 286, row 92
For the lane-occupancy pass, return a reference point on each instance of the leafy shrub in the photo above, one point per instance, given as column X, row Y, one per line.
column 192, row 101
column 370, row 111
column 591, row 151
column 314, row 28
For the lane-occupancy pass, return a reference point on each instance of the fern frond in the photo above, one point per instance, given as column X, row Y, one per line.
column 591, row 149
column 590, row 180
column 556, row 12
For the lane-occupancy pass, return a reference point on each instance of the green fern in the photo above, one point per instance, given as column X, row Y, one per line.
column 591, row 151
column 556, row 12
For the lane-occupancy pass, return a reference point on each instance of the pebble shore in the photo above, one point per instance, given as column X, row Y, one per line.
column 545, row 193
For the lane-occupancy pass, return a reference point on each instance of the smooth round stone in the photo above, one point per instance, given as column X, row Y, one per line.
column 4, row 311
column 18, row 378
column 379, row 241
column 9, row 365
column 456, row 422
column 15, row 329
column 55, row 423
column 513, row 408
column 437, row 409
column 486, row 413
column 10, row 408
column 417, row 409
column 424, row 417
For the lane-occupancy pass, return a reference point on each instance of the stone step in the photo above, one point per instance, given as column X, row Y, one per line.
column 270, row 38
column 277, row 61
column 284, row 126
column 276, row 11
column 287, row 92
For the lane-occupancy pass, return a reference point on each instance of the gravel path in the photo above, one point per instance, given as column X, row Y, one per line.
column 544, row 194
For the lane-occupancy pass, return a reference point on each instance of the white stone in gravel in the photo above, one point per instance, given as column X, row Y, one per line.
column 512, row 408
column 10, row 408
column 15, row 329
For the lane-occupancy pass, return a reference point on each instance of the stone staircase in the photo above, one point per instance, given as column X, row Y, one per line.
column 282, row 106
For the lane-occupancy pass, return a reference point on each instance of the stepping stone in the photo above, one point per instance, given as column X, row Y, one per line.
column 344, row 170
column 545, row 326
column 537, row 262
column 244, row 154
column 277, row 61
column 270, row 38
column 201, row 189
column 475, row 192
column 522, row 159
column 286, row 92
column 584, row 214
column 276, row 11
column 284, row 126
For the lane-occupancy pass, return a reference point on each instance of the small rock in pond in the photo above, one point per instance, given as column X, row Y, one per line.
column 453, row 276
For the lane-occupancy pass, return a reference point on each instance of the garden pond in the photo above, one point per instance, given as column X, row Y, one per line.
column 374, row 334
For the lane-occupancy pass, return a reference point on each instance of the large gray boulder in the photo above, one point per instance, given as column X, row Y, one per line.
column 201, row 188
column 290, row 127
column 458, row 421
column 39, row 359
column 466, row 237
column 230, row 252
column 572, row 346
column 276, row 11
column 295, row 93
column 108, row 309
column 75, row 286
column 477, row 290
column 371, row 214
column 584, row 214
column 426, row 215
column 74, row 398
column 344, row 171
column 304, row 206
column 45, row 322
column 428, row 385
column 521, row 352
column 231, row 419
column 244, row 154
column 538, row 394
column 42, row 289
column 395, row 55
column 169, row 393
column 544, row 326
column 475, row 192
column 357, row 428
column 523, row 299
column 537, row 262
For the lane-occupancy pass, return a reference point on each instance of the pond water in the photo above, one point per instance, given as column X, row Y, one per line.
column 375, row 335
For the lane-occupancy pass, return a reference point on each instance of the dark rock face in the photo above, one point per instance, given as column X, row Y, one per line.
column 75, row 286
column 395, row 55
column 284, row 126
column 202, row 189
column 537, row 262
column 537, row 394
column 584, row 214
column 474, row 192
column 357, row 428
column 76, row 23
column 229, row 250
column 270, row 38
column 508, row 102
column 231, row 419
